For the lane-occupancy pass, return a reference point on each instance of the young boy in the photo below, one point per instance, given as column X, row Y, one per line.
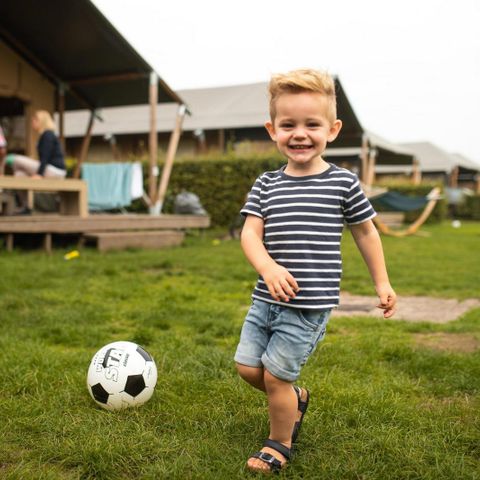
column 292, row 233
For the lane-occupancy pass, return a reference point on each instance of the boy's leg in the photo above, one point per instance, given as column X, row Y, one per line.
column 253, row 343
column 295, row 336
column 282, row 409
column 252, row 375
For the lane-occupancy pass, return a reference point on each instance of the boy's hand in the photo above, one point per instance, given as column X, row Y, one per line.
column 280, row 282
column 388, row 299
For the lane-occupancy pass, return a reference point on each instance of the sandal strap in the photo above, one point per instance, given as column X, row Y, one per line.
column 302, row 408
column 279, row 447
column 302, row 404
column 273, row 463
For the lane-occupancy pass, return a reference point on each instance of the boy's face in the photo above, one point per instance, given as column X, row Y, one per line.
column 301, row 128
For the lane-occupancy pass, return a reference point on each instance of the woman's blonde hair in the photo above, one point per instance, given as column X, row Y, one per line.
column 45, row 121
column 303, row 80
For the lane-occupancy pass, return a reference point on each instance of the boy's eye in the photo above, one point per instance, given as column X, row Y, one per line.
column 286, row 125
column 313, row 125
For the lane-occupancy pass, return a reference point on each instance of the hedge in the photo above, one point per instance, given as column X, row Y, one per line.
column 470, row 209
column 222, row 185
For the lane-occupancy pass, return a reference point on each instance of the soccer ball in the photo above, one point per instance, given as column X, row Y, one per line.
column 121, row 375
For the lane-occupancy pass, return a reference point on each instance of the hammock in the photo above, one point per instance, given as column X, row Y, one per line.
column 401, row 203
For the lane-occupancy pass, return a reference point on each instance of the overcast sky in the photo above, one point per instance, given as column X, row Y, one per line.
column 410, row 68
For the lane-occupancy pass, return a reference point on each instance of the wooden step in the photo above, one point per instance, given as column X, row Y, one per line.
column 135, row 239
column 98, row 223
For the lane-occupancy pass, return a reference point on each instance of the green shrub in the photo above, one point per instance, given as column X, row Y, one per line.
column 470, row 209
column 221, row 185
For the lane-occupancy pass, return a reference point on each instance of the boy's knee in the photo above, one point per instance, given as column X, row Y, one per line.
column 248, row 373
column 272, row 382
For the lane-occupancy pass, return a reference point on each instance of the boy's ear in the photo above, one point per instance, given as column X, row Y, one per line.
column 271, row 130
column 334, row 130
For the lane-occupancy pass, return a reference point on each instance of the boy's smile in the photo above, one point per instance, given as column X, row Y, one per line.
column 302, row 129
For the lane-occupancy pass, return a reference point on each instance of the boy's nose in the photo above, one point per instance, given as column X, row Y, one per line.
column 299, row 133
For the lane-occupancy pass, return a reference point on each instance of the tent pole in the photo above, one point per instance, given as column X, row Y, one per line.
column 153, row 139
column 61, row 114
column 416, row 173
column 453, row 180
column 29, row 143
column 85, row 145
column 364, row 158
column 371, row 167
column 167, row 168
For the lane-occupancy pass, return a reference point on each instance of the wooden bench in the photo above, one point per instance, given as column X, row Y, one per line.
column 7, row 203
column 142, row 239
column 72, row 192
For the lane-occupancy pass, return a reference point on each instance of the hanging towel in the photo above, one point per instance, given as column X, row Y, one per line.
column 109, row 185
column 137, row 180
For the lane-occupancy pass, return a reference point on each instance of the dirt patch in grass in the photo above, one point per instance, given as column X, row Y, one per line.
column 412, row 309
column 448, row 342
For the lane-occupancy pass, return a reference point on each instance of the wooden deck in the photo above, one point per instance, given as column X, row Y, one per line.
column 94, row 224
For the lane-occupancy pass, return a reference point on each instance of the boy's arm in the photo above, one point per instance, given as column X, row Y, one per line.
column 281, row 284
column 368, row 242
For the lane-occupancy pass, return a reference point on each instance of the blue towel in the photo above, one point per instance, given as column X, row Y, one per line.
column 109, row 185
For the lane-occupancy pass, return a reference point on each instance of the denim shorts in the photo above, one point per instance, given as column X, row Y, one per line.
column 280, row 338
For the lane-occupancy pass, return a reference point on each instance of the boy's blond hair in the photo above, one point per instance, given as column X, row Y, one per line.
column 303, row 80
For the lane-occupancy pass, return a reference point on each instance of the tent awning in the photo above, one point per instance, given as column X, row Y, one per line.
column 72, row 43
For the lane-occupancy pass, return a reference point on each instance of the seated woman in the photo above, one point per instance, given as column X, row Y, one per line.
column 51, row 161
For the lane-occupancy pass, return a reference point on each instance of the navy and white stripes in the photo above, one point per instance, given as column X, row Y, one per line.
column 303, row 223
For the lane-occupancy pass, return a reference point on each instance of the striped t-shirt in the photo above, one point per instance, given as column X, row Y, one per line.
column 303, row 223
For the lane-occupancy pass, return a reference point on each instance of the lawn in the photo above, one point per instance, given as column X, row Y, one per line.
column 383, row 406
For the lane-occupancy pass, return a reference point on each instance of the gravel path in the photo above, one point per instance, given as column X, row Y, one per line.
column 412, row 309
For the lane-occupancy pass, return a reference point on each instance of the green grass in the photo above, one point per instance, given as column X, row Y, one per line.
column 382, row 406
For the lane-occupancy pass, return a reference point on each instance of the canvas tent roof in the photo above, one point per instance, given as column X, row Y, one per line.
column 390, row 153
column 73, row 43
column 434, row 159
column 390, row 156
column 466, row 163
column 233, row 106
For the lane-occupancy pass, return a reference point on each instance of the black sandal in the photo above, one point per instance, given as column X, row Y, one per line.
column 302, row 407
column 274, row 464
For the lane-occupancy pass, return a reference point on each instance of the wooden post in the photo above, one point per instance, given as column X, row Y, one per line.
column 416, row 173
column 29, row 141
column 47, row 243
column 85, row 145
column 453, row 180
column 153, row 139
column 167, row 168
column 370, row 177
column 221, row 140
column 61, row 114
column 9, row 242
column 364, row 159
